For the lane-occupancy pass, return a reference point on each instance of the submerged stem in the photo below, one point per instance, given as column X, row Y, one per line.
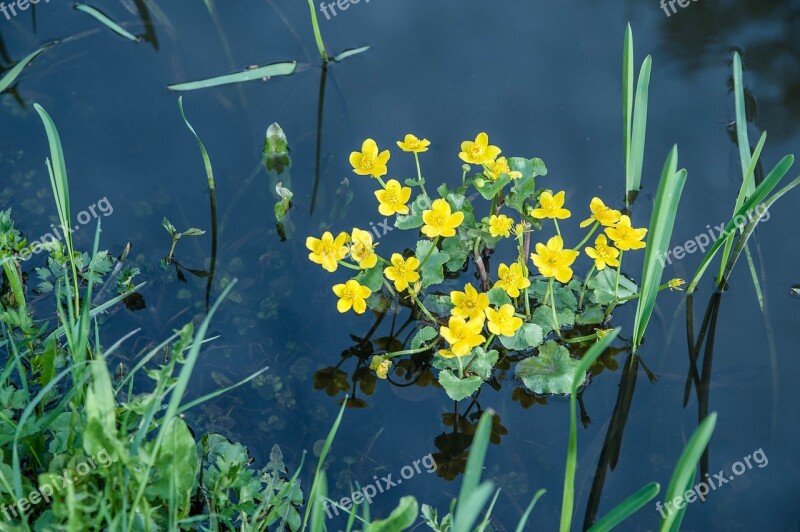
column 553, row 307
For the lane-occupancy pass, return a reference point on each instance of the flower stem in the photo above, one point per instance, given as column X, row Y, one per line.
column 489, row 341
column 553, row 307
column 619, row 268
column 419, row 175
column 430, row 252
column 424, row 310
column 558, row 231
column 587, row 237
column 348, row 265
column 523, row 262
column 381, row 182
column 460, row 368
column 412, row 351
column 583, row 288
column 389, row 286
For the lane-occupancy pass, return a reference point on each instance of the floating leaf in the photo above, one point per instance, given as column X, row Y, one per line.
column 543, row 317
column 458, row 389
column 603, row 285
column 350, row 52
column 282, row 207
column 11, row 76
column 591, row 316
column 424, row 335
column 482, row 362
column 527, row 336
column 552, row 371
column 265, row 72
column 106, row 21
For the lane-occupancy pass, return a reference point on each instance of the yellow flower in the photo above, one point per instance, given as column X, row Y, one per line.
column 601, row 213
column 446, row 353
column 413, row 144
column 380, row 366
column 351, row 295
column 511, row 279
column 553, row 260
column 368, row 161
column 363, row 250
column 327, row 251
column 675, row 284
column 402, row 271
column 624, row 236
column 502, row 321
column 603, row 254
column 478, row 152
column 551, row 207
column 462, row 335
column 469, row 304
column 439, row 221
column 393, row 198
column 520, row 229
column 498, row 167
column 500, row 225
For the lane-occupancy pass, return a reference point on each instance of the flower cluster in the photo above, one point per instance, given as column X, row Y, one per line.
column 452, row 234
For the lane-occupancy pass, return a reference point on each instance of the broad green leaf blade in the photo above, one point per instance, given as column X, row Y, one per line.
column 350, row 52
column 401, row 518
column 458, row 389
column 10, row 77
column 627, row 104
column 472, row 473
column 638, row 133
column 684, row 472
column 659, row 234
column 551, row 371
column 626, row 508
column 106, row 21
column 269, row 71
column 568, row 497
column 759, row 195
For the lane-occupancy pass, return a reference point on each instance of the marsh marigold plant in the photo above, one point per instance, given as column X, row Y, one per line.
column 486, row 268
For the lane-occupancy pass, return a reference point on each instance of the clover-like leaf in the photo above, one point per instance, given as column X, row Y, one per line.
column 552, row 371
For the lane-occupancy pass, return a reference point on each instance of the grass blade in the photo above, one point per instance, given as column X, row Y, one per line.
column 684, row 472
column 10, row 77
column 349, row 53
column 317, row 34
column 106, row 21
column 626, row 508
column 524, row 519
column 627, row 104
column 472, row 496
column 742, row 139
column 286, row 68
column 662, row 222
column 638, row 133
column 568, row 497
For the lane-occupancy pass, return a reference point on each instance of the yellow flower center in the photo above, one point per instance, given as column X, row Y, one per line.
column 367, row 162
column 349, row 295
column 390, row 196
column 552, row 260
column 476, row 150
column 402, row 269
column 437, row 219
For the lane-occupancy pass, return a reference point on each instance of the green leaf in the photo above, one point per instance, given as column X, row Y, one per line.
column 10, row 77
column 275, row 141
column 591, row 316
column 527, row 336
column 626, row 508
column 564, row 295
column 551, row 371
column 498, row 297
column 423, row 336
column 350, row 52
column 414, row 219
column 633, row 168
column 458, row 252
column 431, row 271
column 282, row 207
column 176, row 463
column 543, row 317
column 401, row 517
column 659, row 234
column 106, row 21
column 602, row 286
column 482, row 362
column 490, row 188
column 371, row 278
column 683, row 475
column 458, row 389
column 523, row 189
column 528, row 167
column 276, row 69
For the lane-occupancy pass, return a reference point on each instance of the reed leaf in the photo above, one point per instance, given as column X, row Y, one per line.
column 759, row 195
column 10, row 77
column 683, row 475
column 626, row 508
column 286, row 68
column 317, row 34
column 627, row 100
column 349, row 53
column 568, row 497
column 662, row 221
column 524, row 519
column 106, row 21
column 639, row 130
column 471, row 493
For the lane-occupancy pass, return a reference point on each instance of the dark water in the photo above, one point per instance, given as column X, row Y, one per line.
column 543, row 78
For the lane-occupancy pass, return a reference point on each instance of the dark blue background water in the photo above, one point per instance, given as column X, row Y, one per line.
column 543, row 78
